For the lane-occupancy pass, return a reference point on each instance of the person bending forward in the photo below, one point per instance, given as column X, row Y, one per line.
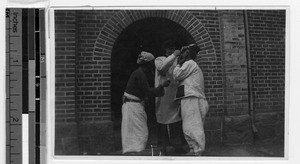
column 134, row 130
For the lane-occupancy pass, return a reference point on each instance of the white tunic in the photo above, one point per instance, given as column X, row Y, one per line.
column 194, row 106
column 191, row 76
column 167, row 110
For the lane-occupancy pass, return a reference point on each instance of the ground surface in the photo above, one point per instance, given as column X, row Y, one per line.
column 261, row 148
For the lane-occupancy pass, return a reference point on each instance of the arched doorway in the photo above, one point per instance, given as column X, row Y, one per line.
column 147, row 34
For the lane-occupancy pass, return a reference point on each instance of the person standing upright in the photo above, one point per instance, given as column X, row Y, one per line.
column 190, row 93
column 167, row 110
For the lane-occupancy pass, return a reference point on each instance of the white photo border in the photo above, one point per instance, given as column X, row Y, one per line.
column 291, row 80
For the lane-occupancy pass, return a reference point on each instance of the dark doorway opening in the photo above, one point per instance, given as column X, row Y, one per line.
column 144, row 35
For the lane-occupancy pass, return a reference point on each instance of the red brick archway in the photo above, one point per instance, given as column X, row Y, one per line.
column 111, row 30
column 109, row 33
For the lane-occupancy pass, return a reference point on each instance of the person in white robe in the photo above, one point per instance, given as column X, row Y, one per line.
column 167, row 110
column 190, row 93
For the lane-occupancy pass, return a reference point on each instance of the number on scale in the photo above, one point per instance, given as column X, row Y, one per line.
column 42, row 59
column 15, row 119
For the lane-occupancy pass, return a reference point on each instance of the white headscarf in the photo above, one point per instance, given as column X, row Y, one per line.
column 145, row 57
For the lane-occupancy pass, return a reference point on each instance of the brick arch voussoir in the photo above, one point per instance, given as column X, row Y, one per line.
column 197, row 31
column 110, row 31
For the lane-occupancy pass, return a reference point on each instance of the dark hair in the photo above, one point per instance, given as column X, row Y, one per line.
column 193, row 49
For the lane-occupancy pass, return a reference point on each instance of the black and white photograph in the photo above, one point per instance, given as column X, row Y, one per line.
column 149, row 81
column 170, row 82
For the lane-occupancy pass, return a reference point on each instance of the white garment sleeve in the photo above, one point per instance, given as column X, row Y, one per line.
column 181, row 73
column 163, row 64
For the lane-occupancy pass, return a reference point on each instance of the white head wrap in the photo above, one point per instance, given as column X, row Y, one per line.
column 145, row 56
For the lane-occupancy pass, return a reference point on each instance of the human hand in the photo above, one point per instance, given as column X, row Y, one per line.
column 166, row 83
column 176, row 53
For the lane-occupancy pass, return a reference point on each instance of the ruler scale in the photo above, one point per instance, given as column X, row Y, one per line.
column 25, row 85
column 14, row 85
column 42, row 87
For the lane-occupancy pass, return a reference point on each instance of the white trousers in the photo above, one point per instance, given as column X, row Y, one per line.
column 193, row 112
column 134, row 130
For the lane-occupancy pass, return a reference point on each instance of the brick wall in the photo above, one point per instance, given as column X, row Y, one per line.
column 65, row 66
column 93, row 58
column 65, row 83
column 267, row 49
column 234, row 62
column 205, row 36
column 97, row 31
column 212, row 66
column 267, row 54
column 93, row 70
